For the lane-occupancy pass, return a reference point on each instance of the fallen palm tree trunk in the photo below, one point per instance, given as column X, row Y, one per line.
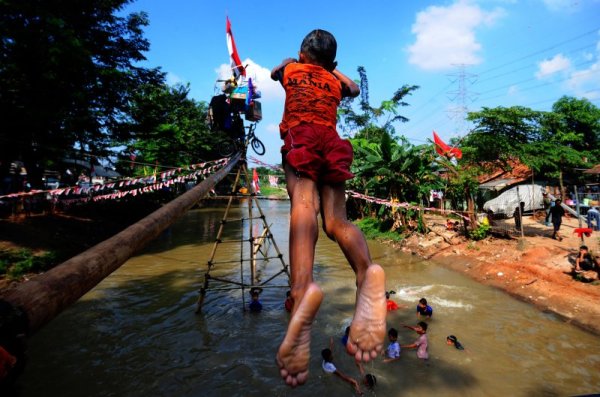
column 47, row 295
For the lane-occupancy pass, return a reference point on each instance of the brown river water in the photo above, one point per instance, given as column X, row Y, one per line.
column 136, row 333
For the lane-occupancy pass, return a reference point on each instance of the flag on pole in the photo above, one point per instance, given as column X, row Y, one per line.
column 255, row 184
column 236, row 64
column 444, row 150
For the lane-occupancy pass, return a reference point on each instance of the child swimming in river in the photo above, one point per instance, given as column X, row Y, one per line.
column 423, row 309
column 451, row 340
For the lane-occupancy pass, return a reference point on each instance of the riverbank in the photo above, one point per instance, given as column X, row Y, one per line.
column 535, row 270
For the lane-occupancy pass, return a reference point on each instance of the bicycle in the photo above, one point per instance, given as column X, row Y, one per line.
column 231, row 145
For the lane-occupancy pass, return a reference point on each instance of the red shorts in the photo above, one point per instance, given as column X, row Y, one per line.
column 317, row 152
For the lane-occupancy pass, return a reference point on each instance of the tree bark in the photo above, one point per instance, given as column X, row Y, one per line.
column 47, row 295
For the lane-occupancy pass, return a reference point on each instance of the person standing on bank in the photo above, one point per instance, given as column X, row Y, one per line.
column 556, row 214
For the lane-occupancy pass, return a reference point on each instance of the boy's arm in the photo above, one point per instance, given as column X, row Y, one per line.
column 353, row 89
column 389, row 360
column 283, row 63
column 411, row 346
column 348, row 379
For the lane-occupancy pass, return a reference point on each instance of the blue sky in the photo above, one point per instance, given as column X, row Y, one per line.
column 464, row 54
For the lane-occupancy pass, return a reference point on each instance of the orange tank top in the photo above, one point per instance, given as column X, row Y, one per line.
column 312, row 95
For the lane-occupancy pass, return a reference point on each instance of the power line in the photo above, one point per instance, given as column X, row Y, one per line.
column 593, row 31
column 530, row 65
column 535, row 78
column 541, row 85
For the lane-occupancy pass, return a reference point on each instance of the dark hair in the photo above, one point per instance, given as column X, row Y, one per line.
column 326, row 354
column 455, row 342
column 583, row 247
column 423, row 301
column 393, row 332
column 370, row 380
column 320, row 46
column 423, row 325
column 288, row 293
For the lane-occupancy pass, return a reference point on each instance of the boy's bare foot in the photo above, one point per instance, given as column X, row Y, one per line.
column 294, row 352
column 367, row 331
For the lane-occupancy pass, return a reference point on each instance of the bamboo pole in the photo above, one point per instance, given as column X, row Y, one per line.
column 45, row 296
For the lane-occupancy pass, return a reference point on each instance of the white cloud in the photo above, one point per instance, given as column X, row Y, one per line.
column 172, row 79
column 548, row 67
column 445, row 36
column 261, row 77
column 272, row 128
column 585, row 83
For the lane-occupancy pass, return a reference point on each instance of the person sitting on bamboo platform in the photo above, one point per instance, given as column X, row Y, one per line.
column 317, row 164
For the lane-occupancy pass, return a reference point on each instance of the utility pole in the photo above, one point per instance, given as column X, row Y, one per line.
column 461, row 97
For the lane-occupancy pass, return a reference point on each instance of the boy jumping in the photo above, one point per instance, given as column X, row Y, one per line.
column 317, row 164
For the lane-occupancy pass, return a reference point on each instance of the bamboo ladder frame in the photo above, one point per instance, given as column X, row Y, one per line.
column 256, row 245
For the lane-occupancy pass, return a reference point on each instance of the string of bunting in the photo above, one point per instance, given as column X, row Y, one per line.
column 371, row 199
column 152, row 183
column 397, row 204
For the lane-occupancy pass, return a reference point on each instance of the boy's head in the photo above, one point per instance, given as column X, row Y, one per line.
column 423, row 302
column 327, row 355
column 583, row 248
column 254, row 293
column 370, row 381
column 423, row 326
column 393, row 334
column 319, row 48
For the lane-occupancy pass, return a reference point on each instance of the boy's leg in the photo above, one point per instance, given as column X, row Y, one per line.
column 294, row 352
column 368, row 329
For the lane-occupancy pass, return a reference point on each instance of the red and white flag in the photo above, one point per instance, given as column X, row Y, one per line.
column 444, row 149
column 236, row 64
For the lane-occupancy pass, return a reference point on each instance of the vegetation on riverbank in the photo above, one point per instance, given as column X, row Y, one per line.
column 15, row 263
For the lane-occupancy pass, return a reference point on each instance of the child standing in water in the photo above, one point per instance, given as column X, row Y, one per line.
column 317, row 164
column 421, row 343
column 423, row 309
column 392, row 353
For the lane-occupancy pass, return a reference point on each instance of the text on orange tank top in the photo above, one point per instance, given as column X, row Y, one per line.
column 312, row 96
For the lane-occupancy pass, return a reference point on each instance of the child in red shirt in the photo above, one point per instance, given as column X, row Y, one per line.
column 317, row 164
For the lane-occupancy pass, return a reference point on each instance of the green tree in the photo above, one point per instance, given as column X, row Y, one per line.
column 167, row 127
column 371, row 122
column 500, row 134
column 569, row 137
column 67, row 72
